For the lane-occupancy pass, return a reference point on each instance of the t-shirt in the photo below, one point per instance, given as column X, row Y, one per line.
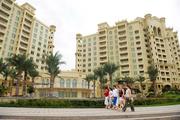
column 115, row 92
column 106, row 93
column 110, row 94
column 128, row 93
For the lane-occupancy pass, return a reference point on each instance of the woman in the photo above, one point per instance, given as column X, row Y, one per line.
column 106, row 95
column 115, row 97
column 129, row 100
column 121, row 96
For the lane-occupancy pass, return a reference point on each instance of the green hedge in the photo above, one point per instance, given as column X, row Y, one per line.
column 62, row 103
column 55, row 103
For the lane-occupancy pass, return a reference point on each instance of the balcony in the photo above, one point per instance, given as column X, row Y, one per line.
column 101, row 43
column 4, row 14
column 26, row 27
column 23, row 45
column 2, row 27
column 10, row 2
column 102, row 48
column 102, row 38
column 3, row 21
column 122, row 38
column 22, row 50
column 122, row 32
column 27, row 21
column 103, row 53
column 6, row 7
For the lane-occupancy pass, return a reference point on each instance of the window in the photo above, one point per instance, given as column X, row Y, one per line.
column 74, row 83
column 89, row 49
column 35, row 35
column 68, row 83
column 89, row 65
column 61, row 94
column 94, row 43
column 89, row 44
column 62, row 83
column 136, row 31
column 74, row 94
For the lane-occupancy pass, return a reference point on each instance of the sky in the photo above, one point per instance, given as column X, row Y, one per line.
column 82, row 16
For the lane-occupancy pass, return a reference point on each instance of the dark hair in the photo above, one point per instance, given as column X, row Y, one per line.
column 110, row 89
column 106, row 87
column 114, row 86
column 128, row 86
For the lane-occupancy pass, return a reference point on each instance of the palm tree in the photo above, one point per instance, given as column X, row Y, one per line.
column 6, row 72
column 110, row 68
column 17, row 62
column 153, row 73
column 28, row 66
column 100, row 73
column 53, row 62
column 22, row 64
column 94, row 84
column 13, row 75
column 33, row 73
column 140, row 79
column 89, row 78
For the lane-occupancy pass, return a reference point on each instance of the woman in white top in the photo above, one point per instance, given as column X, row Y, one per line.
column 129, row 101
column 115, row 96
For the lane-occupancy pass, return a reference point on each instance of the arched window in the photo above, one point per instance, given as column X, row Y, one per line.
column 159, row 31
column 62, row 83
column 155, row 31
column 68, row 83
column 74, row 83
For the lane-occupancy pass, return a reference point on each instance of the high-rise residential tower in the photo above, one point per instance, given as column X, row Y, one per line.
column 133, row 46
column 22, row 33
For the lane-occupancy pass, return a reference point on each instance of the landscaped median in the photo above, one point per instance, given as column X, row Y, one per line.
column 78, row 103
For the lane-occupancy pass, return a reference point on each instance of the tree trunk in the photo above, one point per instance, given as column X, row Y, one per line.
column 51, row 86
column 141, row 89
column 24, row 84
column 101, row 89
column 154, row 86
column 5, row 82
column 111, row 82
column 11, row 84
column 52, row 82
column 88, row 84
column 94, row 83
column 17, row 87
column 33, row 82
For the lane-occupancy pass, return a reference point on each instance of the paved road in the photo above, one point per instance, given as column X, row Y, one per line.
column 100, row 113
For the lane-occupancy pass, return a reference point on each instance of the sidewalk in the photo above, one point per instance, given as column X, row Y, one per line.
column 89, row 113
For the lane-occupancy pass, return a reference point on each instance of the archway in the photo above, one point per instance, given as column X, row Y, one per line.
column 166, row 88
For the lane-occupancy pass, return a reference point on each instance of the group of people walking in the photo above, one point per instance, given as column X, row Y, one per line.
column 118, row 98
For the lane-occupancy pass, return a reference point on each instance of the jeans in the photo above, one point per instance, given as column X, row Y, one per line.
column 128, row 102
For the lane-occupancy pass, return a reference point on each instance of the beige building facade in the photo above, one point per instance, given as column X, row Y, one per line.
column 133, row 46
column 22, row 33
column 68, row 84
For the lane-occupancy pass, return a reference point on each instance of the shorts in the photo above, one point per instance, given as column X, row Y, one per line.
column 110, row 101
column 106, row 101
column 115, row 101
column 121, row 99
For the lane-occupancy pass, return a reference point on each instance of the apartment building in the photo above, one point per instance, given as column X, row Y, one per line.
column 22, row 33
column 133, row 46
column 5, row 13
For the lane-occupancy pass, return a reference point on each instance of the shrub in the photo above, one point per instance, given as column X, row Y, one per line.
column 76, row 103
